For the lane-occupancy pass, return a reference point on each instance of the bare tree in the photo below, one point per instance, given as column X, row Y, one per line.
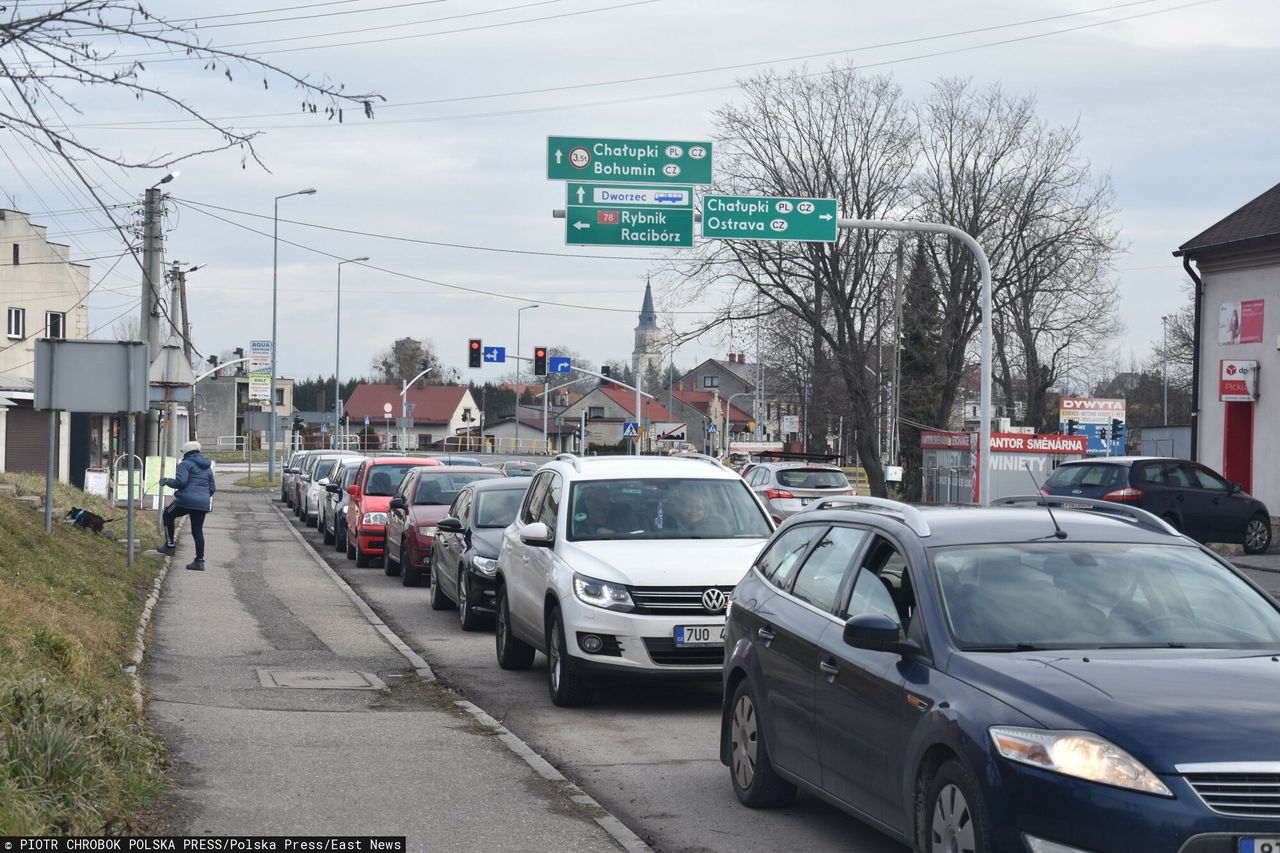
column 405, row 359
column 56, row 54
column 992, row 168
column 840, row 135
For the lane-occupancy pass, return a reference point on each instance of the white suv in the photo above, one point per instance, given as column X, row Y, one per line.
column 622, row 566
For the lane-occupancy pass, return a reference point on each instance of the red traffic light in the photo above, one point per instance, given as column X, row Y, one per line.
column 474, row 354
column 475, row 345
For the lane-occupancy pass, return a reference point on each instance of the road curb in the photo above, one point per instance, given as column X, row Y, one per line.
column 134, row 667
column 618, row 830
column 419, row 664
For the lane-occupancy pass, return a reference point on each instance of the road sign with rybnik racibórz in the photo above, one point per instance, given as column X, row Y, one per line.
column 643, row 224
column 727, row 217
column 644, row 161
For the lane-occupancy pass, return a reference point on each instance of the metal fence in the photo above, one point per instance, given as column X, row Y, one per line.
column 948, row 484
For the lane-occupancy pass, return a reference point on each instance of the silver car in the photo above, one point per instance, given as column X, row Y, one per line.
column 333, row 507
column 788, row 487
column 315, row 477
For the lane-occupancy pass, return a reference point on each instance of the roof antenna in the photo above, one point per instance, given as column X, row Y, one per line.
column 1058, row 532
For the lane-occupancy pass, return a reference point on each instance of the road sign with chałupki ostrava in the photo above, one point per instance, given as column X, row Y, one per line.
column 727, row 217
column 626, row 215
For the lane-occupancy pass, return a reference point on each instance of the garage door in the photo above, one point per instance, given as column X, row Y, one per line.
column 26, row 441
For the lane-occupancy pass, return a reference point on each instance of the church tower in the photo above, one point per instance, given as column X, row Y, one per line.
column 647, row 352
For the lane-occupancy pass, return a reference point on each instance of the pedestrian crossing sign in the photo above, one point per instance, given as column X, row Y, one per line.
column 630, row 429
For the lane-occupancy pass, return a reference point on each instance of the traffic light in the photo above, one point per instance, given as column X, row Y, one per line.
column 1117, row 429
column 539, row 361
column 604, row 371
column 1072, row 426
column 475, row 353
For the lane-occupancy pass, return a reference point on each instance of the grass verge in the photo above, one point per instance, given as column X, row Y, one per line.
column 258, row 481
column 75, row 757
column 237, row 456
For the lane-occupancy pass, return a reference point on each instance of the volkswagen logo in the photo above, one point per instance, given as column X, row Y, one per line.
column 714, row 600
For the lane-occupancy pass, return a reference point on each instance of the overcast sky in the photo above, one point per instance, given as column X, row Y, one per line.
column 1176, row 106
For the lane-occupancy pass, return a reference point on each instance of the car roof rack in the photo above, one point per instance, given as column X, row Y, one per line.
column 911, row 516
column 789, row 456
column 1138, row 516
column 572, row 459
column 701, row 457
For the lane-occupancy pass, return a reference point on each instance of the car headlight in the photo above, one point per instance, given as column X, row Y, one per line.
column 485, row 565
column 374, row 518
column 610, row 596
column 1079, row 754
column 428, row 531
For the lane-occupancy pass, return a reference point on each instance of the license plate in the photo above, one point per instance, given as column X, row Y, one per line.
column 704, row 635
column 804, row 502
column 1084, row 506
column 1260, row 845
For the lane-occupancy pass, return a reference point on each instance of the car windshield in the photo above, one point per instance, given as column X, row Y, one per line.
column 664, row 509
column 1087, row 475
column 324, row 469
column 349, row 475
column 383, row 480
column 497, row 508
column 812, row 478
column 1088, row 595
column 441, row 487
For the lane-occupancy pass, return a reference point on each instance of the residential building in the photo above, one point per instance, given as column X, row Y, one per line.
column 44, row 295
column 221, row 402
column 1235, row 265
column 609, row 409
column 437, row 412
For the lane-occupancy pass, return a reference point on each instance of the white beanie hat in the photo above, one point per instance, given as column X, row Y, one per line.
column 189, row 447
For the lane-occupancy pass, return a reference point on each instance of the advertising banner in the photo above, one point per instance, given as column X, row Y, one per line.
column 790, row 423
column 259, row 356
column 1237, row 380
column 948, row 440
column 1240, row 322
column 259, row 386
column 1093, row 416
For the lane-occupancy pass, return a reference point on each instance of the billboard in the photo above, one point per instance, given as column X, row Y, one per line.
column 1240, row 322
column 1093, row 416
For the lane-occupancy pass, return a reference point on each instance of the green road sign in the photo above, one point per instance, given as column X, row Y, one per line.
column 643, row 161
column 628, row 226
column 728, row 217
column 628, row 195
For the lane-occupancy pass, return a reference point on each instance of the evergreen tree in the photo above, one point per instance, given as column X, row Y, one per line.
column 922, row 367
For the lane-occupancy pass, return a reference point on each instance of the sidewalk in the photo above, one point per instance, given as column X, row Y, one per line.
column 1266, row 562
column 254, row 758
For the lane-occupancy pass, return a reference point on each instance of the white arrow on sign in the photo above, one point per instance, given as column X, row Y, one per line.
column 825, row 216
column 581, row 225
column 559, row 157
column 581, row 194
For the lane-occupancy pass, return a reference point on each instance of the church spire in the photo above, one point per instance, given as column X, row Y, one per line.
column 648, row 317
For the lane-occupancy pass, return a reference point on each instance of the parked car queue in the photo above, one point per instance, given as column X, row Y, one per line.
column 1055, row 673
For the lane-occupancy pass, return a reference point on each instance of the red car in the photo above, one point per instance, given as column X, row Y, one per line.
column 423, row 499
column 371, row 492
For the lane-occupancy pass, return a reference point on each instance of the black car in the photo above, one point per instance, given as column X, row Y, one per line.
column 1196, row 500
column 1020, row 679
column 464, row 556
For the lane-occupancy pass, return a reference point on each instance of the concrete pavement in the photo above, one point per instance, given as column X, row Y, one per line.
column 326, row 757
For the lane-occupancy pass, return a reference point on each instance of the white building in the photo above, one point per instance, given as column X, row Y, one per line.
column 44, row 295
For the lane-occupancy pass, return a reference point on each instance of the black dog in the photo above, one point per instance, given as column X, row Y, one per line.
column 88, row 520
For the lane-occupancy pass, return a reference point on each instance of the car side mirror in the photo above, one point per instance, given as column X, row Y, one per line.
column 353, row 490
column 877, row 632
column 397, row 503
column 449, row 524
column 538, row 535
column 332, row 488
column 1236, row 488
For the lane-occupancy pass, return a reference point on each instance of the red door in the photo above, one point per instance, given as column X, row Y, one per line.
column 1237, row 444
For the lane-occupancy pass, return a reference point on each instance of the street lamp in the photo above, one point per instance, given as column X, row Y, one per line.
column 518, row 312
column 1164, row 322
column 404, row 402
column 337, row 355
column 275, row 274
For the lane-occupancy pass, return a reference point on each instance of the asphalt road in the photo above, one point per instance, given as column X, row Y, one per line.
column 649, row 755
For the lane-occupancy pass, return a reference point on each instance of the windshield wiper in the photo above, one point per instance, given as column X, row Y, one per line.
column 1143, row 646
column 1010, row 647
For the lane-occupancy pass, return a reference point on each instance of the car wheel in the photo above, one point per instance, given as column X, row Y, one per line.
column 755, row 782
column 565, row 682
column 439, row 601
column 351, row 549
column 1257, row 535
column 325, row 532
column 311, row 521
column 409, row 576
column 339, row 535
column 466, row 613
column 390, row 569
column 513, row 653
column 953, row 817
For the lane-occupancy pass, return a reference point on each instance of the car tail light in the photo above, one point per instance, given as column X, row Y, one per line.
column 1126, row 495
column 778, row 495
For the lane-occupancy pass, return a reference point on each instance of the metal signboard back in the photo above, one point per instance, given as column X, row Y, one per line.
column 96, row 377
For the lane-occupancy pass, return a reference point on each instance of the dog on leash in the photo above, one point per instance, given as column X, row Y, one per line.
column 84, row 518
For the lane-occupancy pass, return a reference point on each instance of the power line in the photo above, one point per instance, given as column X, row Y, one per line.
column 164, row 24
column 418, row 241
column 433, row 282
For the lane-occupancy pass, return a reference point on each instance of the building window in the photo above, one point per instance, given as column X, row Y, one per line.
column 711, row 382
column 279, row 397
column 17, row 322
column 15, row 254
column 595, row 411
column 55, row 324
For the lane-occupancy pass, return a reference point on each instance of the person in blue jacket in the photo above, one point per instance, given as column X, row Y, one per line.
column 193, row 488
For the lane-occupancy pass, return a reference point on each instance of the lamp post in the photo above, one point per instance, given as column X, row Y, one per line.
column 518, row 352
column 404, row 403
column 275, row 270
column 1164, row 322
column 337, row 356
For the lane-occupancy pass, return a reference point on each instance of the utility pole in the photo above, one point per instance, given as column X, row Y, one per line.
column 1164, row 322
column 152, row 281
column 895, row 438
